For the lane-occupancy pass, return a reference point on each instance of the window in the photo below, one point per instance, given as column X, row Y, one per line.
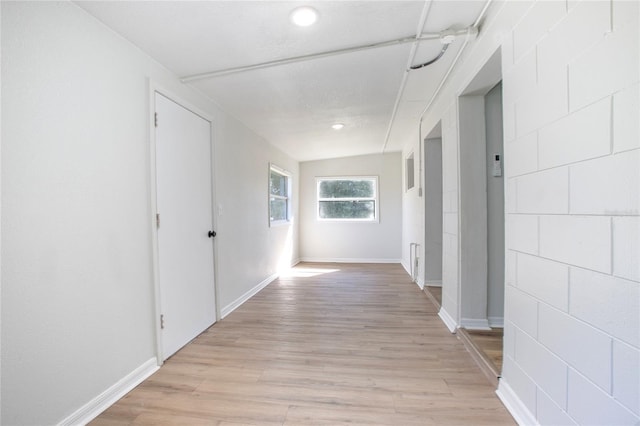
column 279, row 195
column 410, row 171
column 348, row 198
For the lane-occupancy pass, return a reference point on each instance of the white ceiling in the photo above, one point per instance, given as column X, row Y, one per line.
column 293, row 106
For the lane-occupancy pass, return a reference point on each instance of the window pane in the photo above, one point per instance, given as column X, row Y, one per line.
column 278, row 184
column 347, row 209
column 347, row 189
column 278, row 208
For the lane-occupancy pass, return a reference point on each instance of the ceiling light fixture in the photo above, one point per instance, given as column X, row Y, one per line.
column 304, row 16
column 337, row 126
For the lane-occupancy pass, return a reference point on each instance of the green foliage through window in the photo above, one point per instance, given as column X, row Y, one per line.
column 278, row 196
column 278, row 184
column 347, row 189
column 347, row 198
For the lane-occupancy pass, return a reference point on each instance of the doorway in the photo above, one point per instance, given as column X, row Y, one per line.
column 481, row 182
column 433, row 214
column 482, row 212
column 184, row 224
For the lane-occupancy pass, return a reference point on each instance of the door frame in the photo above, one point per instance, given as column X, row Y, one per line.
column 472, row 241
column 154, row 88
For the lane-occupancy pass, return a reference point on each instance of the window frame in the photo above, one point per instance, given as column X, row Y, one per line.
column 375, row 199
column 288, row 183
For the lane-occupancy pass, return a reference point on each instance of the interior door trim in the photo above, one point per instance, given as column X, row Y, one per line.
column 154, row 88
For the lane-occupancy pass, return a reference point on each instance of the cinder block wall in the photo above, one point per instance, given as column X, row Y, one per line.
column 570, row 73
column 571, row 140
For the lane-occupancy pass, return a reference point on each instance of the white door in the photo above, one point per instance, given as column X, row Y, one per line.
column 185, row 246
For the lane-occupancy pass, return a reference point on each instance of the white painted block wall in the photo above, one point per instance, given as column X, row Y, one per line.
column 572, row 163
column 579, row 186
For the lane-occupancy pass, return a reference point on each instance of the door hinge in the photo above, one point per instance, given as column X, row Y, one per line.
column 157, row 220
column 161, row 322
column 155, row 119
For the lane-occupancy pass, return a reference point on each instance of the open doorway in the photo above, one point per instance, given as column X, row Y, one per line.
column 433, row 214
column 482, row 239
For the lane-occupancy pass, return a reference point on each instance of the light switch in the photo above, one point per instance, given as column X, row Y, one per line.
column 497, row 166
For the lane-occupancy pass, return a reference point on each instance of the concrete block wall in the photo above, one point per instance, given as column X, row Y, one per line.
column 450, row 219
column 572, row 162
column 570, row 75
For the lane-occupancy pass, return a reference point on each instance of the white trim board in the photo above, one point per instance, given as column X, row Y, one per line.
column 97, row 405
column 514, row 405
column 418, row 282
column 447, row 320
column 475, row 324
column 496, row 322
column 248, row 295
column 348, row 260
column 405, row 267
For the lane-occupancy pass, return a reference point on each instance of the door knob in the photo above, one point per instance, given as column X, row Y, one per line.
column 212, row 234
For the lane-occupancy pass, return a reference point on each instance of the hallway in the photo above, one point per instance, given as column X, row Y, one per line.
column 326, row 344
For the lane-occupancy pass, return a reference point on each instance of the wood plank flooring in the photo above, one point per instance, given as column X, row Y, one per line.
column 486, row 349
column 330, row 344
column 490, row 343
column 434, row 294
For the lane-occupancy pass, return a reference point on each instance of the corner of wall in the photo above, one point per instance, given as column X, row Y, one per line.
column 448, row 320
column 97, row 405
column 516, row 408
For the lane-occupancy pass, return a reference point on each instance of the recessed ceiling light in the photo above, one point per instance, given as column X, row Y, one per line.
column 337, row 126
column 304, row 16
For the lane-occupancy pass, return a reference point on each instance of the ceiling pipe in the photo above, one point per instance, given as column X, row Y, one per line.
column 455, row 60
column 412, row 54
column 295, row 59
column 446, row 38
column 444, row 79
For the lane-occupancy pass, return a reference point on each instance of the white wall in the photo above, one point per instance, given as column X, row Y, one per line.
column 432, row 253
column 412, row 223
column 495, row 208
column 249, row 251
column 353, row 242
column 572, row 161
column 77, row 292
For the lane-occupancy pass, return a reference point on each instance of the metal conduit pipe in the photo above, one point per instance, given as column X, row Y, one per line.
column 403, row 83
column 446, row 38
column 294, row 59
column 442, row 81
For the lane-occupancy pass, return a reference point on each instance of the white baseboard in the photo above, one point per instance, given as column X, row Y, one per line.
column 348, row 260
column 406, row 268
column 248, row 295
column 474, row 324
column 433, row 283
column 97, row 405
column 496, row 322
column 419, row 282
column 514, row 405
column 448, row 320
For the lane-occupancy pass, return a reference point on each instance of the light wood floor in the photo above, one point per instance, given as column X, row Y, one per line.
column 486, row 349
column 434, row 294
column 331, row 344
column 490, row 343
